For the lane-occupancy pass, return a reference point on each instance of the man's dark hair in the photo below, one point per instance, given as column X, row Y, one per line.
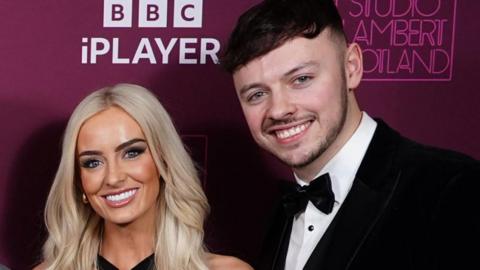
column 271, row 23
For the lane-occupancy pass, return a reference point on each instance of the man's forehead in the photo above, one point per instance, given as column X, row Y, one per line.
column 299, row 46
column 290, row 55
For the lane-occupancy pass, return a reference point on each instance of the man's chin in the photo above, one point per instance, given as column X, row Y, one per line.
column 300, row 164
column 297, row 163
column 302, row 161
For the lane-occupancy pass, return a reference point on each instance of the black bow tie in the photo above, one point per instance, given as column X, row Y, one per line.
column 319, row 192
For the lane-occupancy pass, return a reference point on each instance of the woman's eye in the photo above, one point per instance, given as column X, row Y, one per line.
column 91, row 163
column 133, row 153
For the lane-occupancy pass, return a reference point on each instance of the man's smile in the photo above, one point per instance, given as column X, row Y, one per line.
column 288, row 133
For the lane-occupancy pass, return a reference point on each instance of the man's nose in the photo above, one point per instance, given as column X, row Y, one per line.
column 281, row 105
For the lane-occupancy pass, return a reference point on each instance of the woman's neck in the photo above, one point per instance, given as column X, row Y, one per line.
column 126, row 245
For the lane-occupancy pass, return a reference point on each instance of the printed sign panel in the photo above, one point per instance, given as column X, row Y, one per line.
column 403, row 40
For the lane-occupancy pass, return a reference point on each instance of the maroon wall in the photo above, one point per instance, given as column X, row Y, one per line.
column 421, row 58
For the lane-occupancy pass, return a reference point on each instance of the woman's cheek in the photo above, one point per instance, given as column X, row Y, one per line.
column 91, row 182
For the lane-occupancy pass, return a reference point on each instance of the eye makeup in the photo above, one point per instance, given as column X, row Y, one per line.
column 90, row 162
column 134, row 151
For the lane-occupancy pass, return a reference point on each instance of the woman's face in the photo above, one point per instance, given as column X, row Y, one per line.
column 117, row 171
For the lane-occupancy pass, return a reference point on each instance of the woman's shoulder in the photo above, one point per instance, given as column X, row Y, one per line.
column 41, row 266
column 222, row 262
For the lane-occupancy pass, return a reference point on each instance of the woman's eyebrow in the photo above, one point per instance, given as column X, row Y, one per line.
column 90, row 153
column 117, row 149
column 128, row 143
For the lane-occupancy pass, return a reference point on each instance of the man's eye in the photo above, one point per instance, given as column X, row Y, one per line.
column 133, row 153
column 91, row 163
column 255, row 96
column 302, row 79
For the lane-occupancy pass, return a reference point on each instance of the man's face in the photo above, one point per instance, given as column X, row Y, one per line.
column 295, row 98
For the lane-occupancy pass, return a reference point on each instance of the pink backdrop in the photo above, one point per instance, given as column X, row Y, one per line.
column 421, row 58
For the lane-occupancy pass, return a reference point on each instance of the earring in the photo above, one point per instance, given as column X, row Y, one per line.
column 84, row 198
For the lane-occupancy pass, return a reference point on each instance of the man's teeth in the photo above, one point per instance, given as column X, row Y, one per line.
column 283, row 134
column 122, row 196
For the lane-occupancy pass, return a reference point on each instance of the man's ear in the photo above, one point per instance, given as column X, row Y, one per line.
column 353, row 66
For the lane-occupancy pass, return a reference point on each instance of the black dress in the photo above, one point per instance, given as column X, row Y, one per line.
column 146, row 264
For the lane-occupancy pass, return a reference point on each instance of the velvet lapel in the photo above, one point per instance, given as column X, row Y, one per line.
column 275, row 246
column 370, row 195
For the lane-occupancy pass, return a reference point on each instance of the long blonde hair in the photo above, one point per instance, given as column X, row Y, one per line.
column 75, row 229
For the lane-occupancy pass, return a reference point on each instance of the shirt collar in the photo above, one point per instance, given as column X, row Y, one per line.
column 344, row 165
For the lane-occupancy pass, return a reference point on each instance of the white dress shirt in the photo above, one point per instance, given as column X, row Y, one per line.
column 309, row 226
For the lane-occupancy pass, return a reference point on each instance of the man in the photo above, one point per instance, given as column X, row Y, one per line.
column 367, row 198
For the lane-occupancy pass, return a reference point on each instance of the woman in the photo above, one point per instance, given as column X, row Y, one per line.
column 126, row 194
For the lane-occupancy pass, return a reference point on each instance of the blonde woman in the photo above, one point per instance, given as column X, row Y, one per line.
column 126, row 194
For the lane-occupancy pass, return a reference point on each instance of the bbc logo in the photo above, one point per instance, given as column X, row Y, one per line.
column 153, row 13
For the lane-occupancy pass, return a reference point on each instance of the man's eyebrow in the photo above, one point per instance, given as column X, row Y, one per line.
column 128, row 143
column 300, row 67
column 247, row 87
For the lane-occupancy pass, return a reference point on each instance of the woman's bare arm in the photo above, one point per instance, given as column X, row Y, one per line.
column 221, row 262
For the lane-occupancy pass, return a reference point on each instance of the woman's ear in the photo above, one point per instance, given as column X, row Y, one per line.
column 353, row 65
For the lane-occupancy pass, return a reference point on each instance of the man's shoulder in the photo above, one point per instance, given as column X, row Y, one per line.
column 414, row 154
column 430, row 155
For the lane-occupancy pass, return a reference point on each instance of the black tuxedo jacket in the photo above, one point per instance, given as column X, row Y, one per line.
column 410, row 207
